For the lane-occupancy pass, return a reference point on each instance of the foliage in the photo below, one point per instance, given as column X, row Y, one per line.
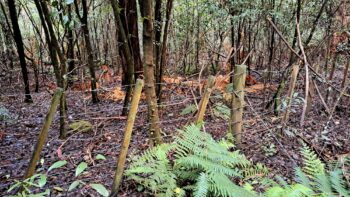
column 194, row 163
column 197, row 164
column 222, row 111
column 269, row 149
column 312, row 180
column 81, row 126
column 5, row 114
column 190, row 109
column 312, row 164
column 39, row 180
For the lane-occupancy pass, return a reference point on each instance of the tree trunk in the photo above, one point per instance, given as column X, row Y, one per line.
column 70, row 49
column 89, row 50
column 56, row 50
column 126, row 52
column 157, row 38
column 132, row 29
column 20, row 49
column 169, row 7
column 147, row 14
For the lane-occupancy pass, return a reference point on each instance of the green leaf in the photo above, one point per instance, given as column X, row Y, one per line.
column 57, row 164
column 42, row 180
column 188, row 110
column 100, row 189
column 81, row 167
column 100, row 157
column 18, row 183
column 73, row 185
column 43, row 194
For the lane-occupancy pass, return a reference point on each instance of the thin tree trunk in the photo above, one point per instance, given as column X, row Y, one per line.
column 57, row 50
column 89, row 50
column 157, row 38
column 126, row 53
column 70, row 49
column 147, row 14
column 20, row 49
column 169, row 8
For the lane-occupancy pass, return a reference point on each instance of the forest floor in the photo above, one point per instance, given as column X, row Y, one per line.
column 261, row 139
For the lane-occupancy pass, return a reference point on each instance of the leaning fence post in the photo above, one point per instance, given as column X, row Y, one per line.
column 294, row 75
column 127, row 137
column 205, row 99
column 43, row 134
column 238, row 102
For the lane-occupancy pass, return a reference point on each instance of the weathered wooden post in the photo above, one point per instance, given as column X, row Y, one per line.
column 294, row 75
column 205, row 99
column 44, row 133
column 127, row 136
column 238, row 103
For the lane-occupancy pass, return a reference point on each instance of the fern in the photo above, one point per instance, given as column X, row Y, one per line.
column 153, row 170
column 312, row 164
column 198, row 164
column 221, row 185
column 338, row 183
column 202, row 186
column 312, row 180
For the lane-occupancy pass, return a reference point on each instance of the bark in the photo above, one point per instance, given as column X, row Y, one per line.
column 70, row 49
column 148, row 32
column 55, row 50
column 169, row 8
column 52, row 51
column 126, row 52
column 157, row 39
column 89, row 50
column 133, row 32
column 20, row 49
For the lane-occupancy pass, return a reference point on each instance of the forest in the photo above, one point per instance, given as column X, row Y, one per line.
column 231, row 98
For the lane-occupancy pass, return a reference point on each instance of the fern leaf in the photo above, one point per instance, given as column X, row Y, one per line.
column 323, row 184
column 302, row 178
column 338, row 183
column 202, row 185
column 312, row 164
column 221, row 185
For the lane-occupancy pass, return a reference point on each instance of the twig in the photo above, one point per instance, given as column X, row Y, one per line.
column 307, row 84
column 320, row 95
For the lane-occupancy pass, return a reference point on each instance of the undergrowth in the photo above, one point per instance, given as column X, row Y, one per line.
column 197, row 165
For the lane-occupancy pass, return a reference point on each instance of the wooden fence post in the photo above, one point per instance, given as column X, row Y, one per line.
column 44, row 133
column 294, row 75
column 127, row 136
column 205, row 99
column 238, row 102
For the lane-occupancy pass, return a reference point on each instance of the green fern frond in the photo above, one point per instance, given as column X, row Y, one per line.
column 199, row 164
column 324, row 185
column 221, row 185
column 276, row 191
column 302, row 178
column 338, row 183
column 281, row 181
column 153, row 170
column 298, row 190
column 312, row 164
column 195, row 162
column 202, row 186
column 253, row 171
